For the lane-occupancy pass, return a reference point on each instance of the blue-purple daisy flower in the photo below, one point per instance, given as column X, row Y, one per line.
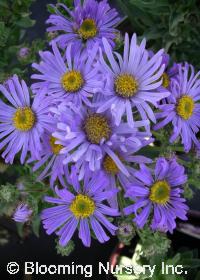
column 85, row 25
column 134, row 81
column 23, row 121
column 70, row 78
column 88, row 136
column 22, row 213
column 158, row 192
column 84, row 208
column 183, row 108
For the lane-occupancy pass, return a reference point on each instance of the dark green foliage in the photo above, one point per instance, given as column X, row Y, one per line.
column 153, row 243
column 9, row 196
column 14, row 20
column 188, row 259
column 173, row 25
column 33, row 49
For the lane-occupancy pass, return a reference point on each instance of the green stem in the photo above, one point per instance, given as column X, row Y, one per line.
column 34, row 191
column 121, row 202
column 176, row 149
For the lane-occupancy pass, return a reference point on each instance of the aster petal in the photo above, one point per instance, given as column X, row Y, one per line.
column 56, row 222
column 108, row 51
column 107, row 210
column 67, row 231
column 84, row 232
column 64, row 194
column 98, row 230
column 161, row 169
column 141, row 219
column 144, row 175
column 102, row 219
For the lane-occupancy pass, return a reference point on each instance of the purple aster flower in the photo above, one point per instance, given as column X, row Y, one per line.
column 158, row 192
column 73, row 79
column 134, row 81
column 22, row 213
column 84, row 209
column 88, row 136
column 22, row 123
column 183, row 108
column 51, row 160
column 86, row 25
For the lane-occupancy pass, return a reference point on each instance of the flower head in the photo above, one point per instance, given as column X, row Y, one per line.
column 182, row 108
column 85, row 25
column 22, row 213
column 87, row 137
column 84, row 209
column 70, row 79
column 134, row 81
column 22, row 122
column 158, row 192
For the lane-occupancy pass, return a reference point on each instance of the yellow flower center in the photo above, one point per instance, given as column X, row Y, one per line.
column 126, row 85
column 96, row 128
column 165, row 80
column 24, row 119
column 72, row 81
column 88, row 29
column 55, row 147
column 160, row 192
column 110, row 166
column 185, row 107
column 82, row 206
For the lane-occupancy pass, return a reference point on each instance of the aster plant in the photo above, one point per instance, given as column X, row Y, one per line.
column 105, row 141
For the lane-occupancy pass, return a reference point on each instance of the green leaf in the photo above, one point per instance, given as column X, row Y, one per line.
column 25, row 22
column 4, row 34
column 36, row 225
column 20, row 229
column 51, row 9
column 68, row 3
column 173, row 25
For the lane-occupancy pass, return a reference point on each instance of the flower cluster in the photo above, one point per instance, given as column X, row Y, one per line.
column 86, row 118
